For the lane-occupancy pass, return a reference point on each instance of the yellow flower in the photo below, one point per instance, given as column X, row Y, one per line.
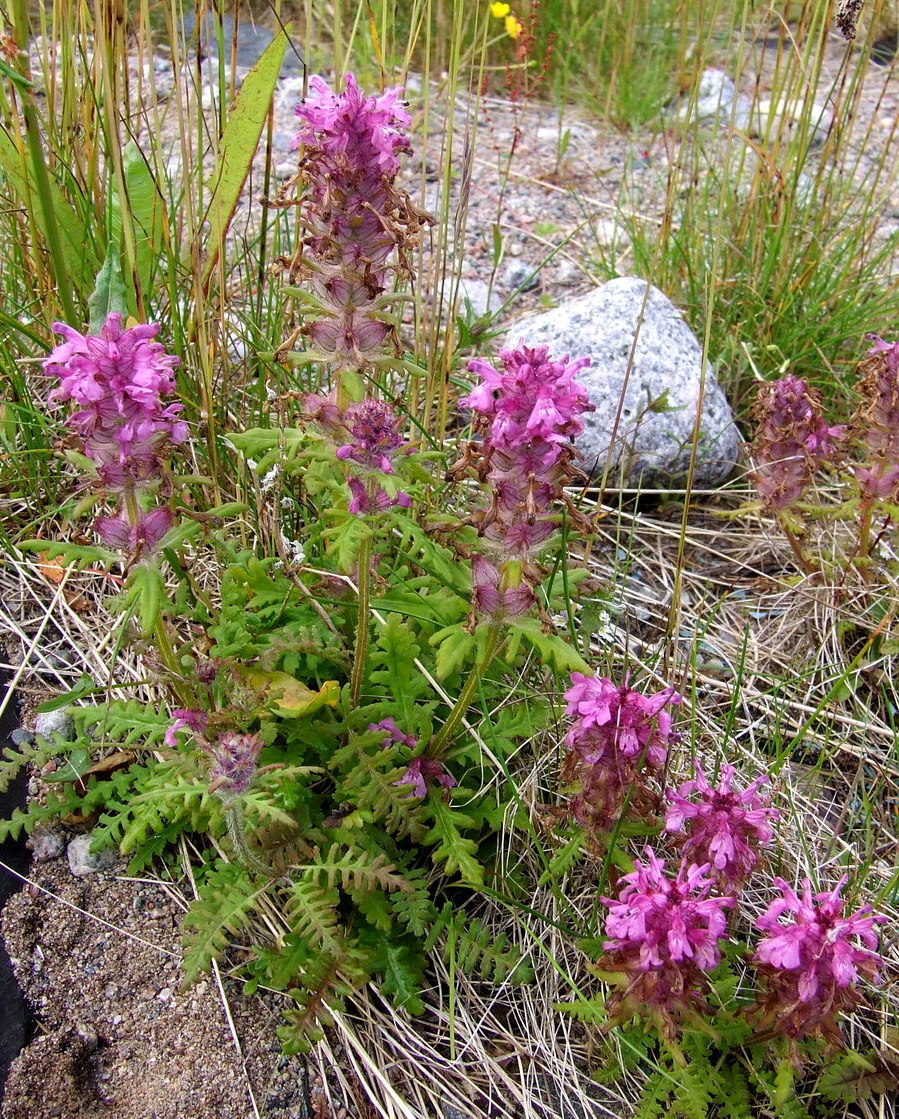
column 514, row 27
column 499, row 11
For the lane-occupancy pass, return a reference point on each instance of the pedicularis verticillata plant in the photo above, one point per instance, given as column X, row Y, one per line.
column 794, row 443
column 341, row 724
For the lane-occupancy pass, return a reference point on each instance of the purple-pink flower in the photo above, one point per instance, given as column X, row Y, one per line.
column 185, row 719
column 119, row 379
column 724, row 827
column 142, row 537
column 664, row 933
column 618, row 736
column 352, row 132
column 234, row 761
column 420, row 771
column 493, row 601
column 375, row 440
column 812, row 964
column 613, row 718
column 527, row 416
column 354, row 217
column 792, row 442
column 534, row 405
column 392, row 732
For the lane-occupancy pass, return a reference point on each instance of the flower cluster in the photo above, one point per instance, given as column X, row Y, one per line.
column 618, row 736
column 792, row 442
column 513, row 26
column 527, row 416
column 354, row 217
column 234, row 756
column 876, row 423
column 724, row 827
column 119, row 379
column 234, row 763
column 810, row 965
column 374, row 440
column 663, row 934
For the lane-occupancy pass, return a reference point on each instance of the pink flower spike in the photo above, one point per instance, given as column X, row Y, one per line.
column 234, row 761
column 119, row 379
column 618, row 717
column 792, row 442
column 663, row 934
column 617, row 738
column 810, row 965
column 724, row 827
column 351, row 132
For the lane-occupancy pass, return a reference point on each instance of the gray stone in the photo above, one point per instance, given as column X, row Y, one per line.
column 82, row 862
column 652, row 444
column 518, row 275
column 49, row 723
column 771, row 119
column 713, row 101
column 46, row 842
column 479, row 295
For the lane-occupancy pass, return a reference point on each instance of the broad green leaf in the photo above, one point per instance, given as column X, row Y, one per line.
column 144, row 208
column 287, row 696
column 109, row 294
column 77, row 247
column 238, row 146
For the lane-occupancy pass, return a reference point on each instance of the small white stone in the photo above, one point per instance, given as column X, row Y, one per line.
column 771, row 118
column 82, row 862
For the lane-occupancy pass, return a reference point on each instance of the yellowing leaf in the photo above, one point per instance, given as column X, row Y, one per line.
column 287, row 696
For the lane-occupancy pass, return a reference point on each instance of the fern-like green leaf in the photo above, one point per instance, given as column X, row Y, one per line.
column 356, row 870
column 393, row 669
column 734, row 1092
column 401, row 964
column 451, row 850
column 415, row 909
column 225, row 906
column 693, row 1095
column 311, row 911
column 321, row 987
column 476, row 949
column 655, row 1096
column 860, row 1076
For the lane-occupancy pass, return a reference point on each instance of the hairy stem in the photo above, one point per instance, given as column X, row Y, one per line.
column 234, row 823
column 804, row 562
column 461, row 705
column 364, row 592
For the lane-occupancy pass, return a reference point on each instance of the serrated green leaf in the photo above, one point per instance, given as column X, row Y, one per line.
column 553, row 650
column 453, row 652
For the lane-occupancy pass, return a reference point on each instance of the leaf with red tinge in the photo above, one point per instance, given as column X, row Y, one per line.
column 859, row 1076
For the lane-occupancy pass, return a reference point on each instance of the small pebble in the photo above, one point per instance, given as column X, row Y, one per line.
column 82, row 862
column 49, row 723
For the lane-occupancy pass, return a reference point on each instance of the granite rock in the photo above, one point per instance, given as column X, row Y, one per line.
column 656, row 379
